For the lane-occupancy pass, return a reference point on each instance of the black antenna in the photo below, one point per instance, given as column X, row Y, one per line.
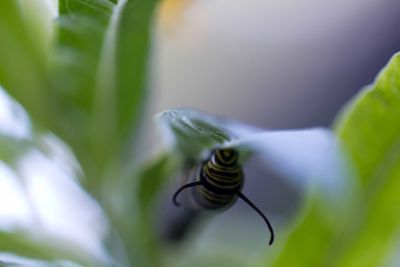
column 182, row 188
column 245, row 199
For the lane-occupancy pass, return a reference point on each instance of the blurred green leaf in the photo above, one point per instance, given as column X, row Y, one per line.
column 82, row 27
column 370, row 129
column 191, row 132
column 103, row 48
column 137, row 222
column 23, row 60
column 39, row 14
column 365, row 233
column 100, row 69
column 369, row 124
column 11, row 260
column 30, row 252
column 131, row 58
column 310, row 238
column 18, row 243
column 90, row 93
column 12, row 148
column 151, row 177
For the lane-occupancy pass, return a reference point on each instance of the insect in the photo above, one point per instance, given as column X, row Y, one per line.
column 219, row 182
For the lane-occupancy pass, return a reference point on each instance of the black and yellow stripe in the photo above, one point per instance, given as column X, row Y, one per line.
column 219, row 183
column 221, row 177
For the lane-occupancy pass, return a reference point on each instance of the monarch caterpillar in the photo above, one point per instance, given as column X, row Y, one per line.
column 219, row 183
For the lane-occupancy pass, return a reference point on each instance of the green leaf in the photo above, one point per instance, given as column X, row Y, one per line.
column 151, row 177
column 370, row 129
column 368, row 125
column 12, row 148
column 82, row 27
column 23, row 60
column 136, row 218
column 310, row 239
column 15, row 128
column 91, row 92
column 18, row 250
column 366, row 232
column 12, row 260
column 131, row 56
column 40, row 15
column 100, row 67
column 192, row 132
column 18, row 243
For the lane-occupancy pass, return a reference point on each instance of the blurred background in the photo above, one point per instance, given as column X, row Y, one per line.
column 275, row 64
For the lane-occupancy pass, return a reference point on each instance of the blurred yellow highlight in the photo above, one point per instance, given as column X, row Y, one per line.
column 171, row 13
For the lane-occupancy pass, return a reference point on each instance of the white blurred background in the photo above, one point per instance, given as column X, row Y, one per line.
column 276, row 64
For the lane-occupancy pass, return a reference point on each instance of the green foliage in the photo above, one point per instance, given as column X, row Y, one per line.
column 191, row 132
column 370, row 130
column 103, row 47
column 365, row 233
column 22, row 55
column 81, row 77
column 18, row 242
